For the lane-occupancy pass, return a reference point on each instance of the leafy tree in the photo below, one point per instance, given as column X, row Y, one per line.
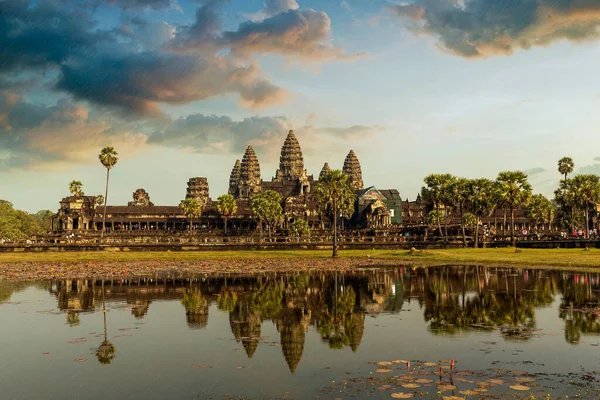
column 108, row 158
column 266, row 207
column 44, row 219
column 587, row 192
column 481, row 200
column 468, row 221
column 19, row 225
column 191, row 208
column 565, row 166
column 335, row 191
column 438, row 190
column 227, row 206
column 513, row 191
column 300, row 227
column 540, row 209
column 435, row 217
column 99, row 200
column 75, row 187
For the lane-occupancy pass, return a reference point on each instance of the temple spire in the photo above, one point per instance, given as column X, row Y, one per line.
column 291, row 162
column 250, row 181
column 234, row 178
column 326, row 168
column 353, row 170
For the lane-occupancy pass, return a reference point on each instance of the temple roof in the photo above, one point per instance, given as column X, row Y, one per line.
column 326, row 168
column 234, row 177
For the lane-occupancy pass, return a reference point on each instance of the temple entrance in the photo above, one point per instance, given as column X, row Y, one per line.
column 75, row 223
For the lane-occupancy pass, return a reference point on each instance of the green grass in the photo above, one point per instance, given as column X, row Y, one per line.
column 503, row 256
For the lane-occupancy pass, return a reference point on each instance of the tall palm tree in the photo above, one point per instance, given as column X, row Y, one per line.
column 108, row 158
column 105, row 353
column 513, row 191
column 540, row 210
column 335, row 191
column 227, row 206
column 481, row 200
column 75, row 187
column 438, row 191
column 566, row 166
column 587, row 189
column 458, row 197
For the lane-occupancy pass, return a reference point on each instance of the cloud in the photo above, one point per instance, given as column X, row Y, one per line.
column 285, row 31
column 60, row 135
column 535, row 171
column 139, row 82
column 220, row 134
column 138, row 4
column 485, row 28
column 43, row 35
column 149, row 35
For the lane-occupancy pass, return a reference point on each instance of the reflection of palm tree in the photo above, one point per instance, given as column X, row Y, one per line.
column 73, row 318
column 196, row 308
column 105, row 353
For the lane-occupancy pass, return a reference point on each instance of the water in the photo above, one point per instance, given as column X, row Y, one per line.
column 303, row 335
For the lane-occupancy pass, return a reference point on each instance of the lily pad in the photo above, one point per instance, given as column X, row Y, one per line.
column 401, row 395
column 443, row 388
column 410, row 385
column 383, row 371
column 520, row 387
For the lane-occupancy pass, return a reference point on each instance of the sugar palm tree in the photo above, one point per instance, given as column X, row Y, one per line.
column 335, row 191
column 540, row 210
column 227, row 206
column 191, row 208
column 438, row 191
column 108, row 158
column 513, row 191
column 587, row 192
column 565, row 166
column 75, row 187
column 481, row 200
column 105, row 353
column 458, row 197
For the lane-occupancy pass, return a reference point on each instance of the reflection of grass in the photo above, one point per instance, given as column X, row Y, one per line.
column 504, row 256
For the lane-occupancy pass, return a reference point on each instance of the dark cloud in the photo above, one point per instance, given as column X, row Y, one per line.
column 138, row 4
column 140, row 81
column 42, row 35
column 286, row 31
column 483, row 28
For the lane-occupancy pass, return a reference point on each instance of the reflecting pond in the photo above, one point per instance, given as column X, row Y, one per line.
column 375, row 333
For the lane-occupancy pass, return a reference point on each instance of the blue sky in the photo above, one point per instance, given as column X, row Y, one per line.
column 181, row 87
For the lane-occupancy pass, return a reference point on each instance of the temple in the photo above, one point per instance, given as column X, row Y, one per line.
column 374, row 208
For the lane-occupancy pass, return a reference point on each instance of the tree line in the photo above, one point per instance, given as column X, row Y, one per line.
column 471, row 199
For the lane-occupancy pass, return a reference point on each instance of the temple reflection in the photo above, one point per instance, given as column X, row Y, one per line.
column 334, row 305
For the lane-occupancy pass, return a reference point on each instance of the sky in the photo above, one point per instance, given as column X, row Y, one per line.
column 181, row 87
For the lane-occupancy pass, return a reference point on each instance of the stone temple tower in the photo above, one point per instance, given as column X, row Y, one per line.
column 198, row 189
column 249, row 182
column 353, row 170
column 326, row 168
column 234, row 178
column 291, row 162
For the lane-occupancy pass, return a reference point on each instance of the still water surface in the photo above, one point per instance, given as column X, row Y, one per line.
column 304, row 335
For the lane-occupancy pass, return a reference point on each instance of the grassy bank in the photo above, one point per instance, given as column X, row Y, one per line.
column 503, row 256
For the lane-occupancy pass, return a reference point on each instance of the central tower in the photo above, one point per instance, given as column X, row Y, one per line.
column 291, row 163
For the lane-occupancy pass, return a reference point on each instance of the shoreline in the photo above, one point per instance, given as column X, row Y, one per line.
column 32, row 266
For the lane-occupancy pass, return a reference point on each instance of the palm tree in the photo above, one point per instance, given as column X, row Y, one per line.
column 227, row 206
column 75, row 187
column 481, row 200
column 565, row 166
column 566, row 197
column 513, row 191
column 335, row 191
column 108, row 158
column 540, row 209
column 587, row 191
column 191, row 208
column 266, row 207
column 438, row 190
column 105, row 353
column 458, row 197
